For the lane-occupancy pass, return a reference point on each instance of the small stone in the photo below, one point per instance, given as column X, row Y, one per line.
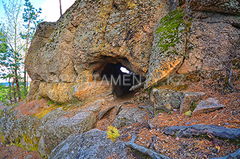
column 208, row 105
column 129, row 116
column 166, row 99
column 188, row 99
column 28, row 157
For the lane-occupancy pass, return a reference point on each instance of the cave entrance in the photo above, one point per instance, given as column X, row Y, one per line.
column 121, row 77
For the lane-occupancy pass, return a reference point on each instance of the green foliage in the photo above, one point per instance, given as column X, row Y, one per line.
column 30, row 17
column 50, row 102
column 11, row 57
column 6, row 94
column 171, row 25
column 193, row 106
column 11, row 48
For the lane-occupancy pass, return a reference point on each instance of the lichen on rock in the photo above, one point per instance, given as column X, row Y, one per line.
column 169, row 47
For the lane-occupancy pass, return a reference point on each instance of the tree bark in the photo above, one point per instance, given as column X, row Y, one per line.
column 60, row 6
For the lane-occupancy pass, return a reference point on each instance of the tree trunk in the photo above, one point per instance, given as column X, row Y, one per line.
column 10, row 91
column 60, row 6
column 14, row 91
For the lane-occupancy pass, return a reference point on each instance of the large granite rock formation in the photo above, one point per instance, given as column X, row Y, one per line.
column 39, row 127
column 66, row 58
column 91, row 34
column 92, row 144
column 196, row 41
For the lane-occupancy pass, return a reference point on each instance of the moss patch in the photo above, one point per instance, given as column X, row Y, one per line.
column 2, row 137
column 44, row 111
column 32, row 143
column 171, row 26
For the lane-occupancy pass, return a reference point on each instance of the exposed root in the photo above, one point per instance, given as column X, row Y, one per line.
column 142, row 149
column 229, row 79
column 135, row 87
column 121, row 104
column 100, row 115
column 153, row 141
column 198, row 130
column 146, row 107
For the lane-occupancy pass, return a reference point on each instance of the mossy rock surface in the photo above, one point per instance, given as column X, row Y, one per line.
column 169, row 47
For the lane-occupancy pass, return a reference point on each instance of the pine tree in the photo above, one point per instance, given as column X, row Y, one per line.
column 30, row 17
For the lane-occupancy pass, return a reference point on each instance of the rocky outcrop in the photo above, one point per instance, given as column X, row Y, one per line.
column 168, row 47
column 91, row 34
column 207, row 105
column 189, row 99
column 129, row 116
column 68, row 59
column 92, row 144
column 222, row 6
column 143, row 36
column 196, row 41
column 37, row 126
column 166, row 99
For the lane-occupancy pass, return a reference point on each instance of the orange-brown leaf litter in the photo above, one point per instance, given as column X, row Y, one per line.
column 171, row 146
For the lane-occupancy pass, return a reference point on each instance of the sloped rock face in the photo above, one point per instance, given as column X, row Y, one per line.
column 168, row 47
column 223, row 6
column 213, row 40
column 90, row 35
column 39, row 127
column 196, row 41
column 129, row 116
column 92, row 144
column 208, row 105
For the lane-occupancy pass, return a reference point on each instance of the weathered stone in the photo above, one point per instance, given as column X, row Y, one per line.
column 169, row 47
column 222, row 6
column 37, row 126
column 91, row 90
column 211, row 45
column 58, row 129
column 33, row 90
column 95, row 106
column 208, row 105
column 166, row 99
column 129, row 116
column 217, row 131
column 188, row 99
column 92, row 144
column 91, row 34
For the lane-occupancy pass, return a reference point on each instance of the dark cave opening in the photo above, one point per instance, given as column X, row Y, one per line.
column 121, row 78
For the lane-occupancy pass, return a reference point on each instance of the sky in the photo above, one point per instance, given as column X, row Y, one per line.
column 50, row 10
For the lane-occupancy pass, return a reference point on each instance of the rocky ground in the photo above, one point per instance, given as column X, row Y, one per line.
column 149, row 128
column 14, row 152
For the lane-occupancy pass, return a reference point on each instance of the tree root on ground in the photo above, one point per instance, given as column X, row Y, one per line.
column 198, row 130
column 229, row 79
column 147, row 108
column 100, row 115
column 212, row 131
column 135, row 87
column 142, row 149
column 121, row 104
